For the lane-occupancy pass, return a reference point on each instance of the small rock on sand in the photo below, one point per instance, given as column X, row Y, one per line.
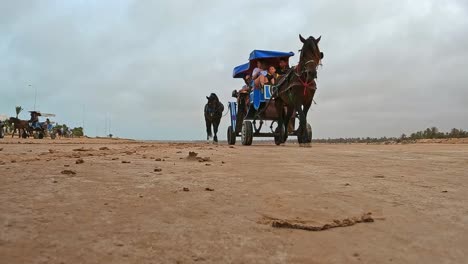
column 1, row 149
column 68, row 172
column 82, row 149
column 157, row 170
column 66, row 165
column 79, row 161
column 115, row 158
column 103, row 148
column 209, row 189
column 185, row 189
column 124, row 161
column 192, row 154
column 158, row 159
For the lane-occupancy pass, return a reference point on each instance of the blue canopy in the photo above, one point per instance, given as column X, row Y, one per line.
column 240, row 71
column 268, row 56
column 264, row 54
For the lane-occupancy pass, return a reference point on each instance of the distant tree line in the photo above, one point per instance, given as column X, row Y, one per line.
column 428, row 133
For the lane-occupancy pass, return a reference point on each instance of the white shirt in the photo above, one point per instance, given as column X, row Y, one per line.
column 257, row 71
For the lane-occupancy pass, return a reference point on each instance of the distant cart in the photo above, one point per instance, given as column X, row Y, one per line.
column 43, row 129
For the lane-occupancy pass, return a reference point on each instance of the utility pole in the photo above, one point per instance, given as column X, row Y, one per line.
column 105, row 126
column 82, row 124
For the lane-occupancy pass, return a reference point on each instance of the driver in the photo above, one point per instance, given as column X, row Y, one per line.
column 34, row 119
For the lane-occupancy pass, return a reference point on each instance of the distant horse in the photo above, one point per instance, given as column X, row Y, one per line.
column 21, row 125
column 213, row 113
column 297, row 90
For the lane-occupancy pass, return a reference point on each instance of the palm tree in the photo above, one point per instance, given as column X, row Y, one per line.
column 18, row 110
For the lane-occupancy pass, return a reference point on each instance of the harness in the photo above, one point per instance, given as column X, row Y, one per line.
column 212, row 111
column 304, row 82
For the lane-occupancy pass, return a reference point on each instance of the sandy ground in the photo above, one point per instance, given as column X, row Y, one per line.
column 127, row 204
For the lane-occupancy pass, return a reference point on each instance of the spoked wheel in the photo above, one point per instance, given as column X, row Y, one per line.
column 231, row 136
column 247, row 133
column 40, row 135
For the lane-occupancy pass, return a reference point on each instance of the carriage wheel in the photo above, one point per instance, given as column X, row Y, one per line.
column 53, row 136
column 247, row 133
column 40, row 135
column 231, row 136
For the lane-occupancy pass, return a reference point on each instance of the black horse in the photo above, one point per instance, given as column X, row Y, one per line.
column 296, row 91
column 213, row 113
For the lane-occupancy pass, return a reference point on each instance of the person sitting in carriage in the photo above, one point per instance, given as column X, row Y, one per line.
column 34, row 120
column 271, row 76
column 259, row 75
column 48, row 125
column 283, row 67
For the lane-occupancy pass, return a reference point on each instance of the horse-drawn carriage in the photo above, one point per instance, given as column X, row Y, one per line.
column 277, row 104
column 34, row 127
column 39, row 129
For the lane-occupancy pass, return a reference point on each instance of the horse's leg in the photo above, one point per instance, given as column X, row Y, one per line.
column 13, row 134
column 215, row 129
column 208, row 129
column 302, row 130
column 279, row 105
column 287, row 119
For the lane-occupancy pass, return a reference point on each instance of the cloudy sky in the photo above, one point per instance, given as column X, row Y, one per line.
column 390, row 66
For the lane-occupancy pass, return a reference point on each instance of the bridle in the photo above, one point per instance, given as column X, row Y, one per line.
column 302, row 69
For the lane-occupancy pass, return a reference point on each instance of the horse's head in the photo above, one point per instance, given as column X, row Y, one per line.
column 311, row 55
column 212, row 104
column 212, row 99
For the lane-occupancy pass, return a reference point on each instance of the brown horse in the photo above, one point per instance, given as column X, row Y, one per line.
column 297, row 89
column 21, row 125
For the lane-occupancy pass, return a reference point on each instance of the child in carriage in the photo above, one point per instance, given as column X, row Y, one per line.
column 271, row 76
column 259, row 75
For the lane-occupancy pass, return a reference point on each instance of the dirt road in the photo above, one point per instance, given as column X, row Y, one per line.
column 115, row 201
